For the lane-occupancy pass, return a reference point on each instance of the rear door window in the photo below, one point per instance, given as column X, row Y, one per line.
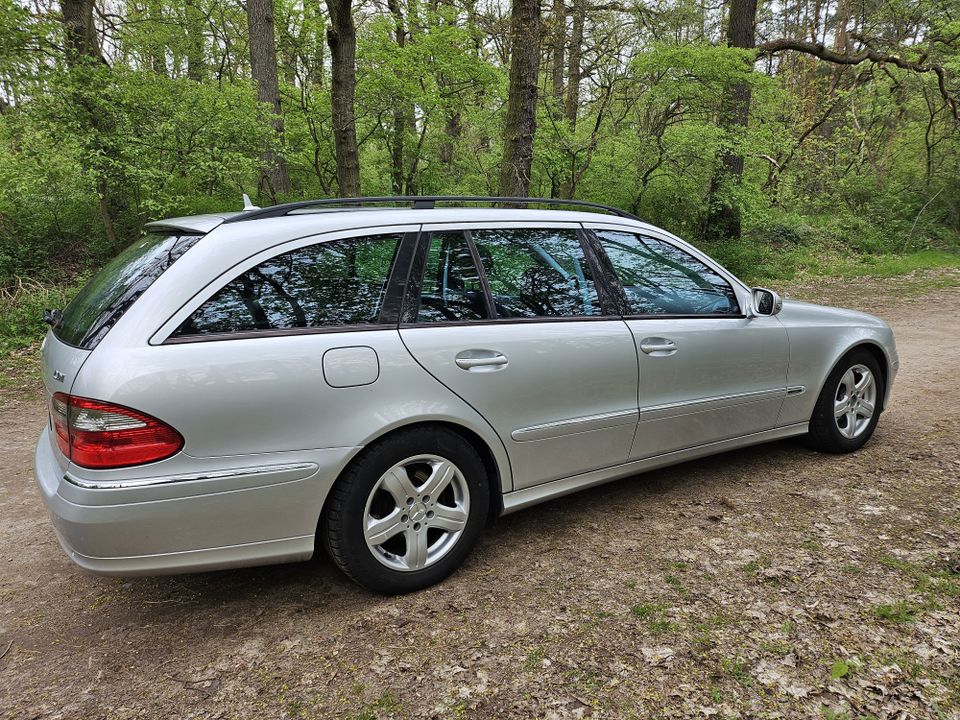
column 537, row 273
column 112, row 291
column 451, row 290
column 330, row 284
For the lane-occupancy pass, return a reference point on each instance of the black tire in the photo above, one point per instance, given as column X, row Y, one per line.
column 342, row 525
column 824, row 434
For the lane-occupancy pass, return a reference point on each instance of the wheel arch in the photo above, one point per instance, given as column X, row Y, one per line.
column 878, row 353
column 487, row 455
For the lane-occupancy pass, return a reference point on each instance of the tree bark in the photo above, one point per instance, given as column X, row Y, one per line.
column 263, row 68
column 196, row 64
column 81, row 33
column 342, row 39
column 723, row 216
column 157, row 47
column 558, row 40
column 572, row 105
column 400, row 110
column 521, row 121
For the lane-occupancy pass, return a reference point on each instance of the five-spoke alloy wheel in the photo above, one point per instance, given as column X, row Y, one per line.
column 848, row 408
column 416, row 512
column 407, row 512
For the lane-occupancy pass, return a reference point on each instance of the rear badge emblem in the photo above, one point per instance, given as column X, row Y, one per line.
column 58, row 376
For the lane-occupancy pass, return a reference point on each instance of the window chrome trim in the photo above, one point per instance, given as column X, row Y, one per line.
column 299, row 471
column 511, row 321
column 274, row 332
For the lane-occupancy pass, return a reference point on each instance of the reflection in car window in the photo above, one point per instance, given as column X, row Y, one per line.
column 537, row 273
column 113, row 290
column 451, row 284
column 659, row 278
column 334, row 283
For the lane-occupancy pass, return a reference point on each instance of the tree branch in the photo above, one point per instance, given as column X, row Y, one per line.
column 868, row 54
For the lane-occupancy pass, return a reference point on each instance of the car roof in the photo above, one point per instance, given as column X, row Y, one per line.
column 333, row 219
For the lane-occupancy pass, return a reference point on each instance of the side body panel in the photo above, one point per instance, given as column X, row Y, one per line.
column 564, row 402
column 819, row 337
column 726, row 378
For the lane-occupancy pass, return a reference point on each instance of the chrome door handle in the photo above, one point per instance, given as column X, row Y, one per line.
column 658, row 346
column 471, row 359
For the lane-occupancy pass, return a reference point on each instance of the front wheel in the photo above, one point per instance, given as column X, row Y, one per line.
column 848, row 408
column 407, row 513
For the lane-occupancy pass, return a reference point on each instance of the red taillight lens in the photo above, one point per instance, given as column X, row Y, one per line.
column 100, row 435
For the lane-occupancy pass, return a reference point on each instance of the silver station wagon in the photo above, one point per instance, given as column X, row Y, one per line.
column 236, row 389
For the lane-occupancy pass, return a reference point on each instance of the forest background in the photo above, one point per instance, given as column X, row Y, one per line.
column 786, row 138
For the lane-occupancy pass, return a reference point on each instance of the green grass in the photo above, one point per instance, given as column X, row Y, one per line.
column 22, row 329
column 652, row 616
column 758, row 264
column 900, row 612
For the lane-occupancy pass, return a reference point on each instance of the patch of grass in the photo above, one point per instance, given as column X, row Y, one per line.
column 780, row 648
column 811, row 544
column 386, row 703
column 22, row 329
column 533, row 659
column 652, row 615
column 930, row 582
column 737, row 669
column 674, row 582
column 900, row 612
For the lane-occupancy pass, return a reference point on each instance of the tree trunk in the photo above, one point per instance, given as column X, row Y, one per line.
column 400, row 110
column 521, row 122
column 723, row 216
column 158, row 46
column 263, row 67
column 315, row 59
column 572, row 105
column 196, row 65
column 342, row 39
column 81, row 33
column 558, row 40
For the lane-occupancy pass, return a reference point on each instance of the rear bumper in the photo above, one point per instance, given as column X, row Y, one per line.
column 211, row 521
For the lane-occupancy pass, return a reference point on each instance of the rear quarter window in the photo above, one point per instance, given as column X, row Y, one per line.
column 331, row 284
column 112, row 291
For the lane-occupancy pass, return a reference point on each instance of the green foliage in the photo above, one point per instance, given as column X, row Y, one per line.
column 853, row 172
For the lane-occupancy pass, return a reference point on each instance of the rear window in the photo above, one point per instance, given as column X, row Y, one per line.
column 111, row 292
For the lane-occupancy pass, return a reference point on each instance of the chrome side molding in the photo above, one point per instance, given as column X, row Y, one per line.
column 287, row 472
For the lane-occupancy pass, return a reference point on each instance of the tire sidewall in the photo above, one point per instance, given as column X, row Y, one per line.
column 829, row 432
column 359, row 559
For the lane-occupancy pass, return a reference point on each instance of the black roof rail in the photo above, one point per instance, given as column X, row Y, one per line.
column 417, row 202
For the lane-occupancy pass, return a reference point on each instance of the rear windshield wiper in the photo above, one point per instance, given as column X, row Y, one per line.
column 52, row 317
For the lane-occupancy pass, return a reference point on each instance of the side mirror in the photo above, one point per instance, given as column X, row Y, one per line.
column 766, row 302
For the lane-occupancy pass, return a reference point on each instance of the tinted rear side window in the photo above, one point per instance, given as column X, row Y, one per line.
column 537, row 273
column 113, row 290
column 335, row 283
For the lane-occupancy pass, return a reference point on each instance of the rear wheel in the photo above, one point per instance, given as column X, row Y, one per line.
column 848, row 408
column 408, row 512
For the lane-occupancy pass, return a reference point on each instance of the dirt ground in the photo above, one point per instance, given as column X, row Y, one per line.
column 772, row 582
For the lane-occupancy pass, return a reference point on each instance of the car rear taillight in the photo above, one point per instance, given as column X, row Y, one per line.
column 101, row 435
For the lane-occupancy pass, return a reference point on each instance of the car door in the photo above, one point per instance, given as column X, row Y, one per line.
column 509, row 317
column 708, row 370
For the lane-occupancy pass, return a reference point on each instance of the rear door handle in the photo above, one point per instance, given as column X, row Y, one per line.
column 480, row 360
column 658, row 346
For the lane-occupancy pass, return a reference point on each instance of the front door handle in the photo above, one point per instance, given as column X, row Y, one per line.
column 480, row 360
column 658, row 346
